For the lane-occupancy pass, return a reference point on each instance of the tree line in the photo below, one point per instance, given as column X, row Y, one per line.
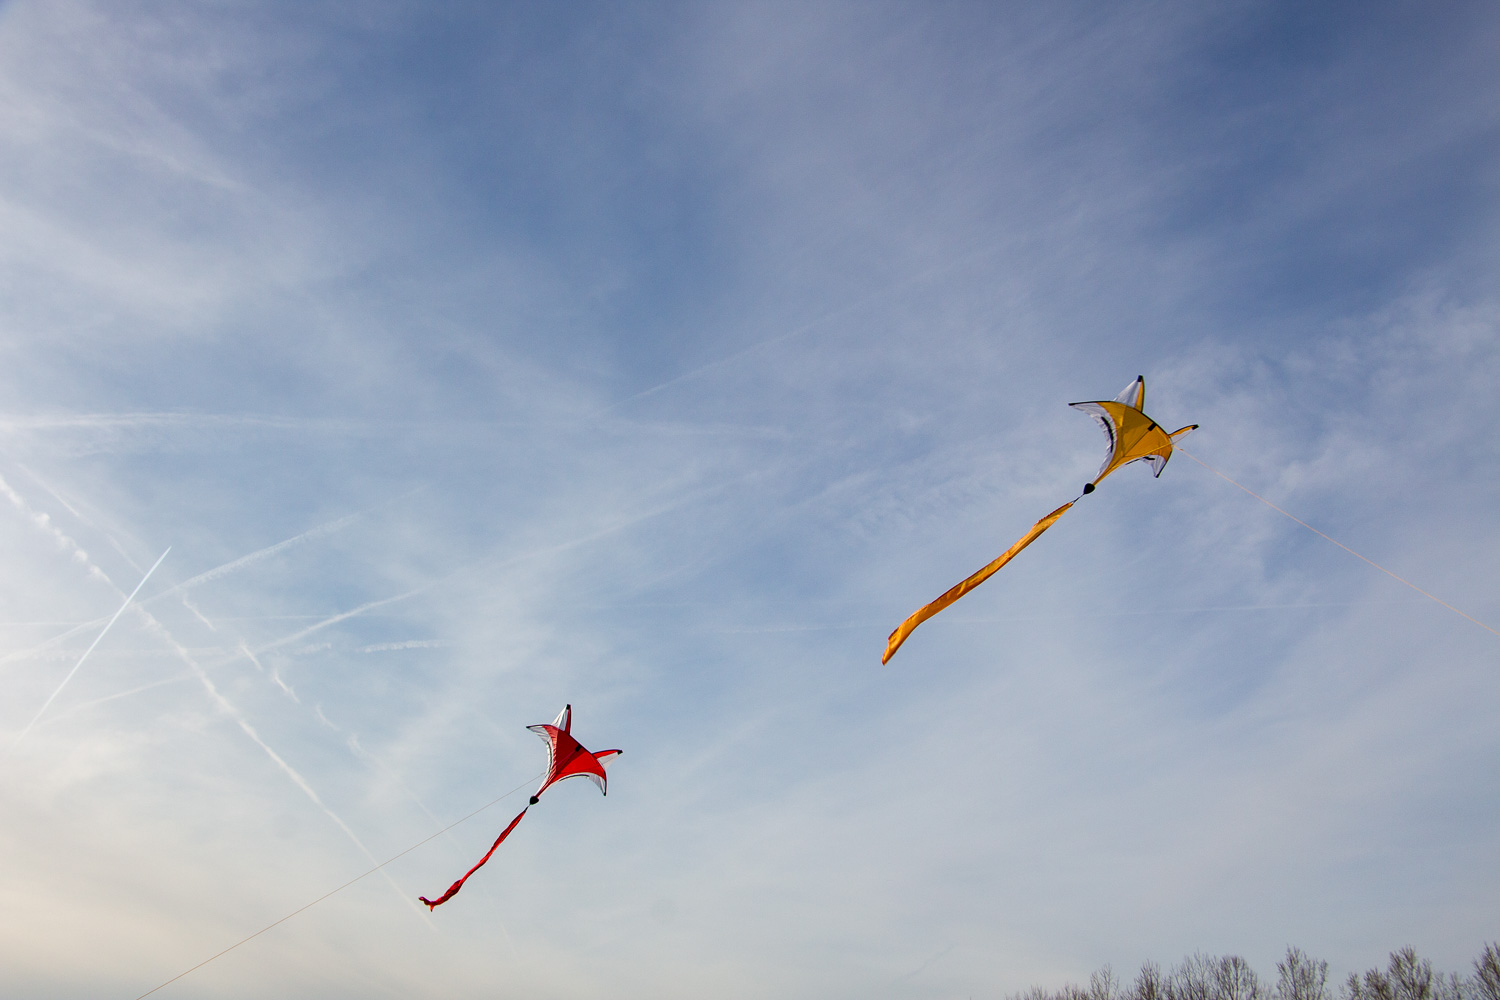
column 1298, row 977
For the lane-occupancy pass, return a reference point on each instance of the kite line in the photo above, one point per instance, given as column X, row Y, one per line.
column 1335, row 541
column 340, row 889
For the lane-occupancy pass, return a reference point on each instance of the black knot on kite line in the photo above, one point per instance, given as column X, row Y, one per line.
column 533, row 800
column 1088, row 488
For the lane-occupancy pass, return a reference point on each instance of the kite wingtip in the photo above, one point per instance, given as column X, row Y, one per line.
column 430, row 904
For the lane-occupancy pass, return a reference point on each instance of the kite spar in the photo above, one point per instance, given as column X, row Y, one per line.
column 1133, row 437
column 566, row 758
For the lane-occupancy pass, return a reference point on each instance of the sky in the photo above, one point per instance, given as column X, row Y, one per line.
column 469, row 360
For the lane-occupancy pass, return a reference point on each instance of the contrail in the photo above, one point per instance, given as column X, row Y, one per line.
column 130, row 421
column 351, row 613
column 228, row 708
column 86, row 652
column 79, row 515
column 42, row 521
column 155, row 626
column 21, row 654
column 84, row 706
column 318, row 531
column 201, row 578
column 259, row 554
column 807, row 327
column 275, row 674
column 558, row 547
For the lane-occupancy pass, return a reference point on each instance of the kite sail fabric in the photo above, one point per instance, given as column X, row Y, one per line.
column 928, row 610
column 566, row 758
column 1133, row 437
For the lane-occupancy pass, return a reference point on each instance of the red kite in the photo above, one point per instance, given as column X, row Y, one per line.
column 1133, row 437
column 566, row 758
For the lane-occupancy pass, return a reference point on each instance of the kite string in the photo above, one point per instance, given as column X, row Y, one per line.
column 341, row 888
column 1335, row 541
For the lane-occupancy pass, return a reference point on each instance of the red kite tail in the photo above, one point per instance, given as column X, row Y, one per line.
column 453, row 889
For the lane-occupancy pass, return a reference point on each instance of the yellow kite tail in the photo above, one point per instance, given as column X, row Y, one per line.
column 927, row 611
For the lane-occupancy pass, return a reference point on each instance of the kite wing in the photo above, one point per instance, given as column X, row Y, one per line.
column 567, row 758
column 925, row 612
column 1132, row 435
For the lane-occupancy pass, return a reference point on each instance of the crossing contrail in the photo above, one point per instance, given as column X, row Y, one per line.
column 154, row 626
column 201, row 578
column 259, row 554
column 557, row 547
column 86, row 652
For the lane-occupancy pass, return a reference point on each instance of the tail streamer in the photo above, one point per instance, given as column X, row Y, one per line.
column 919, row 616
column 453, row 889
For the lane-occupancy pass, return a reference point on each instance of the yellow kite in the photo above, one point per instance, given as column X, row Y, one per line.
column 1133, row 437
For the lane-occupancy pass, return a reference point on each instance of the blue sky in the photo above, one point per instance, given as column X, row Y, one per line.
column 660, row 359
